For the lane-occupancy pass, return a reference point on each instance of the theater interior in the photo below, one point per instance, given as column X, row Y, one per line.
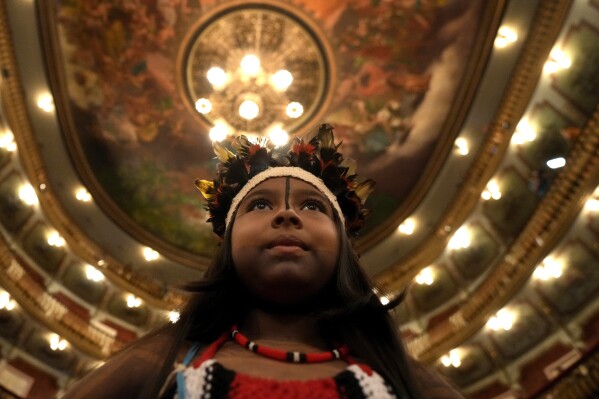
column 479, row 120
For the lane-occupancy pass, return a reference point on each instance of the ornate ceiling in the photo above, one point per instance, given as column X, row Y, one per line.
column 455, row 107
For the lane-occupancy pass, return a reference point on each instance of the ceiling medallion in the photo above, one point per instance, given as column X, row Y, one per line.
column 256, row 69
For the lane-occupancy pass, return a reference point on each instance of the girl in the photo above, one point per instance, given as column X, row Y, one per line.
column 285, row 310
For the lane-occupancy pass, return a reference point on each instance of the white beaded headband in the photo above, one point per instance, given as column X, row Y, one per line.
column 283, row 171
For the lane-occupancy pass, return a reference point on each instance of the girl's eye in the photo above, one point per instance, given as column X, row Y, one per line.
column 259, row 205
column 314, row 205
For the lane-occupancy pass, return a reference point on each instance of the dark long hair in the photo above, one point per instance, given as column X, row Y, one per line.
column 351, row 313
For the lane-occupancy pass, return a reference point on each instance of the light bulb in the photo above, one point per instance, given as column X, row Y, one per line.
column 55, row 240
column 203, row 106
column 462, row 146
column 133, row 301
column 217, row 77
column 83, row 195
column 249, row 109
column 282, row 79
column 93, row 274
column 556, row 163
column 150, row 254
column 173, row 316
column 294, row 110
column 27, row 194
column 250, row 65
column 219, row 131
column 45, row 102
column 407, row 227
column 278, row 136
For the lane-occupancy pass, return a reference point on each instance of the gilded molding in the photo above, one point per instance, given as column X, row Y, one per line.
column 34, row 299
column 580, row 382
column 545, row 28
column 552, row 218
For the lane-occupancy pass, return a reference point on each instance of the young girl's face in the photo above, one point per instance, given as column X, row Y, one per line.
column 284, row 241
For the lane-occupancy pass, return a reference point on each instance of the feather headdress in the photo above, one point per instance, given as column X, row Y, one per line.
column 249, row 162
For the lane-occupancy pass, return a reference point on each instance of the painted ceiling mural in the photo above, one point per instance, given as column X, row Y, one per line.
column 395, row 69
column 501, row 259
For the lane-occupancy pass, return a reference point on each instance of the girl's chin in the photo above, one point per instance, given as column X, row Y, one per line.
column 287, row 301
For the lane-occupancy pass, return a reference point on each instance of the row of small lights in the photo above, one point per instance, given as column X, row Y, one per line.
column 550, row 268
column 93, row 274
column 134, row 302
column 248, row 109
column 57, row 343
column 524, row 132
column 28, row 196
column 505, row 37
column 558, row 58
column 461, row 146
column 504, row 319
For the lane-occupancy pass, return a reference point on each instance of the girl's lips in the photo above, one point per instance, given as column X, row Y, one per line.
column 287, row 241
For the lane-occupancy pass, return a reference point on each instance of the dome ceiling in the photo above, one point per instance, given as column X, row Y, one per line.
column 478, row 120
column 387, row 77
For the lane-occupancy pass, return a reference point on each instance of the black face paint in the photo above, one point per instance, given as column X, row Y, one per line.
column 287, row 189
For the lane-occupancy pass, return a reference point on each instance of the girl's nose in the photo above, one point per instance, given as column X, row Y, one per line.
column 287, row 217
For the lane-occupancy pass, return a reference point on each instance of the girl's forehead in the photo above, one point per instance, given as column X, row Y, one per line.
column 281, row 184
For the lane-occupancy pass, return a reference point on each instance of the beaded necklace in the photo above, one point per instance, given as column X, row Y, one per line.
column 291, row 357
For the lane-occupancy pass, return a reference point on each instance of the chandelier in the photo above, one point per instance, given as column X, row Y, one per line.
column 255, row 70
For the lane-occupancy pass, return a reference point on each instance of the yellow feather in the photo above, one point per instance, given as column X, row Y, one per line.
column 221, row 152
column 206, row 187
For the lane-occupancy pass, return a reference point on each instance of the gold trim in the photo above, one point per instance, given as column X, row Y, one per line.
column 34, row 299
column 547, row 23
column 579, row 382
column 13, row 100
column 550, row 221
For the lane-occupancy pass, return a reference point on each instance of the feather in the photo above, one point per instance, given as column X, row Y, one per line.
column 350, row 165
column 221, row 152
column 241, row 145
column 325, row 135
column 237, row 174
column 206, row 187
column 364, row 189
column 260, row 161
